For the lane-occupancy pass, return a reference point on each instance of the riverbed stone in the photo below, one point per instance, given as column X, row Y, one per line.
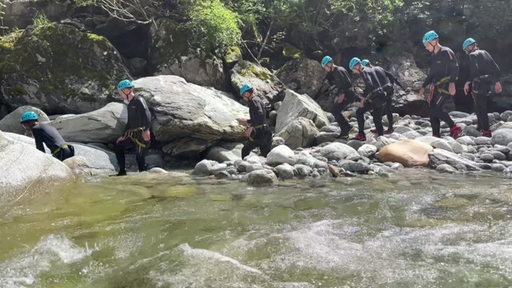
column 281, row 154
column 263, row 177
column 285, row 171
column 408, row 152
column 336, row 151
column 502, row 136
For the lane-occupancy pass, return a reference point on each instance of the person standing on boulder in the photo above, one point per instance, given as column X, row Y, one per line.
column 338, row 76
column 444, row 70
column 259, row 132
column 47, row 134
column 374, row 96
column 389, row 80
column 483, row 74
column 137, row 131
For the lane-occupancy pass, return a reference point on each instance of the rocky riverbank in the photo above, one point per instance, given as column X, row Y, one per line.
column 305, row 146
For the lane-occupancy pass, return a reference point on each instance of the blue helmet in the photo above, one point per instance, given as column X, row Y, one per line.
column 365, row 62
column 326, row 61
column 468, row 42
column 29, row 116
column 245, row 88
column 353, row 62
column 429, row 36
column 124, row 84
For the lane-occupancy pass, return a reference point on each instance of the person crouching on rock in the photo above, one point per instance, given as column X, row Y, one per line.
column 47, row 134
column 259, row 132
column 338, row 76
column 136, row 136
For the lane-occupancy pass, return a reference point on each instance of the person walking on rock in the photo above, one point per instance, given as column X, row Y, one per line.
column 137, row 131
column 484, row 73
column 444, row 70
column 259, row 132
column 389, row 80
column 374, row 96
column 339, row 76
column 47, row 134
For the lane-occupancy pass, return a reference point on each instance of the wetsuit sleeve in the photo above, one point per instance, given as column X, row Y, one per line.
column 369, row 85
column 496, row 72
column 453, row 66
column 145, row 114
column 38, row 136
column 393, row 79
column 342, row 81
column 473, row 66
column 256, row 112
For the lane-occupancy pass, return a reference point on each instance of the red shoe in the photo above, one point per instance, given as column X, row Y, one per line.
column 486, row 133
column 436, row 135
column 455, row 132
column 389, row 131
column 359, row 137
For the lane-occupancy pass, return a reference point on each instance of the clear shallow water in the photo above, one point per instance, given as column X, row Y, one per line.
column 417, row 228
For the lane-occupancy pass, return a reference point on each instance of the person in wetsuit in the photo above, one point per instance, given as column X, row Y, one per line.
column 389, row 80
column 483, row 74
column 444, row 70
column 137, row 131
column 259, row 132
column 374, row 96
column 338, row 76
column 47, row 134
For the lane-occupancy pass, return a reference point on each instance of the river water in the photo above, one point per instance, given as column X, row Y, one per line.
column 416, row 228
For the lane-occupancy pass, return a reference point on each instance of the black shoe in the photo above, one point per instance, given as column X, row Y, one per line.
column 121, row 173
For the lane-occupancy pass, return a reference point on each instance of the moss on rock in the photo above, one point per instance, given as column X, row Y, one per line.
column 71, row 70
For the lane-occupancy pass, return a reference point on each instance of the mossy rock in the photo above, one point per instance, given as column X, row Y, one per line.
column 59, row 69
column 291, row 51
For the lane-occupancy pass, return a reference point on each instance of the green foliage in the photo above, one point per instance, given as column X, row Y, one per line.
column 41, row 20
column 215, row 28
column 8, row 41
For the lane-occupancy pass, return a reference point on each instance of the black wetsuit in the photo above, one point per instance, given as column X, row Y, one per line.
column 484, row 73
column 47, row 134
column 340, row 78
column 375, row 98
column 388, row 80
column 262, row 135
column 139, row 120
column 444, row 70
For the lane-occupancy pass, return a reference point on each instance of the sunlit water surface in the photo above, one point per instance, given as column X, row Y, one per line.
column 416, row 228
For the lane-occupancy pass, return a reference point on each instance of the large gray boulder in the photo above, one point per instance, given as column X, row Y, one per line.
column 204, row 72
column 24, row 168
column 11, row 122
column 99, row 161
column 297, row 105
column 301, row 132
column 188, row 110
column 303, row 75
column 260, row 78
column 171, row 54
column 60, row 69
column 104, row 125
